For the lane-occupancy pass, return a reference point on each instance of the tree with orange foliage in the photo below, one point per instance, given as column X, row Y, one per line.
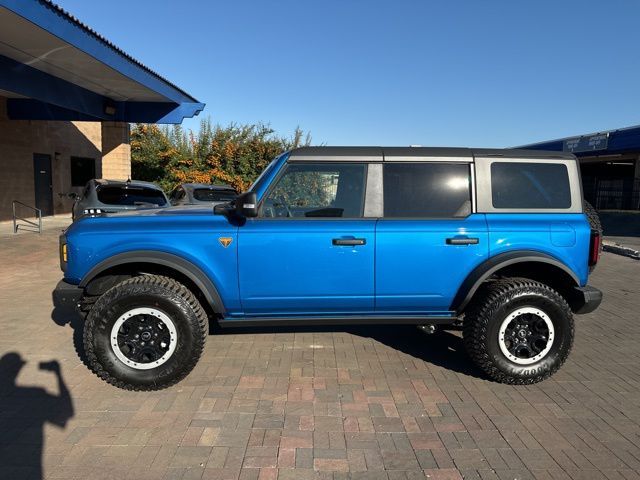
column 234, row 155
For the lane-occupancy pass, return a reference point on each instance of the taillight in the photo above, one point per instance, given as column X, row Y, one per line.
column 594, row 248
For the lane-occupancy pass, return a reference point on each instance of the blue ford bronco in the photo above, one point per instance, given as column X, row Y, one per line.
column 498, row 241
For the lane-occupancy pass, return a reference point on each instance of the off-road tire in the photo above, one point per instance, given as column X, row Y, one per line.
column 492, row 304
column 152, row 291
column 594, row 222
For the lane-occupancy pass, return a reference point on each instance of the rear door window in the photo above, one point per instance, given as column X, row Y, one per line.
column 427, row 190
column 530, row 185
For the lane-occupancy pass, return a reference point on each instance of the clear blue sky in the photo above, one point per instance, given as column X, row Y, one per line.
column 445, row 73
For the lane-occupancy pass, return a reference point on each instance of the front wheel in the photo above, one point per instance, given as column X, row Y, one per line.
column 145, row 333
column 518, row 331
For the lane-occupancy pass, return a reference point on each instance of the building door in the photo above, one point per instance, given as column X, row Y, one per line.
column 43, row 184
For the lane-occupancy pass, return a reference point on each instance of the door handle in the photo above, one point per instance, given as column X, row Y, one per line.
column 462, row 241
column 347, row 242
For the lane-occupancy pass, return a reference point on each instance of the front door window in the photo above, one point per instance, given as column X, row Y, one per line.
column 317, row 190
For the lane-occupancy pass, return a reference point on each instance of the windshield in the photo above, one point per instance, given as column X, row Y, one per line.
column 208, row 195
column 258, row 184
column 131, row 195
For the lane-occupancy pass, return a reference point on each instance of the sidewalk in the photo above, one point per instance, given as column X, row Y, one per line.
column 631, row 242
column 621, row 233
column 53, row 224
column 627, row 246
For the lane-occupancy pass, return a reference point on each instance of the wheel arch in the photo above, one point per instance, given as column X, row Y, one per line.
column 121, row 266
column 528, row 264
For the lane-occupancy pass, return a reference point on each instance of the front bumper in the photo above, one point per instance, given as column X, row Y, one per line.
column 66, row 295
column 586, row 299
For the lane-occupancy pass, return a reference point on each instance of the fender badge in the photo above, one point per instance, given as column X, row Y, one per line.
column 225, row 241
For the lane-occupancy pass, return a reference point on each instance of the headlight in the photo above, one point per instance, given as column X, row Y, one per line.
column 92, row 211
column 64, row 256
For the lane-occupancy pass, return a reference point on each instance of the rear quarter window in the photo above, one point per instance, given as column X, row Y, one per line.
column 208, row 195
column 530, row 185
column 139, row 196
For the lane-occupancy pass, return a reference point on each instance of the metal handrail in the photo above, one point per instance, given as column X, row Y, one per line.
column 31, row 223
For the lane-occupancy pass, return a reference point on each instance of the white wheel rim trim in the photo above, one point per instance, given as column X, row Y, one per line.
column 144, row 311
column 503, row 329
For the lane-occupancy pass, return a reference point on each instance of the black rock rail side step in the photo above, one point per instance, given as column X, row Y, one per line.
column 335, row 320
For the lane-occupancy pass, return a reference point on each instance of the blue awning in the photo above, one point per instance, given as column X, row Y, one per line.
column 619, row 141
column 54, row 67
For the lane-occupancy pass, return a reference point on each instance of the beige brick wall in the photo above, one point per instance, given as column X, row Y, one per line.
column 116, row 151
column 107, row 143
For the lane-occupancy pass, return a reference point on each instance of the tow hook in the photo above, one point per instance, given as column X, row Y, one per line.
column 429, row 329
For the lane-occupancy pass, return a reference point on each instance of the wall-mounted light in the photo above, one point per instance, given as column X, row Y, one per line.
column 109, row 108
column 56, row 156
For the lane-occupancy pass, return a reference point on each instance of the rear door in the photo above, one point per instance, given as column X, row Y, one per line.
column 429, row 238
column 310, row 251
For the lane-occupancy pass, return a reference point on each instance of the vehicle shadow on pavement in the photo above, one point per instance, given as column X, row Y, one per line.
column 443, row 348
column 24, row 411
column 67, row 315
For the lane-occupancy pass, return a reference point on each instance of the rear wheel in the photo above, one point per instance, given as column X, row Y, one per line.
column 145, row 333
column 518, row 331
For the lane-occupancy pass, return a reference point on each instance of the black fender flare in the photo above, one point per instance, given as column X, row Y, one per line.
column 483, row 271
column 185, row 267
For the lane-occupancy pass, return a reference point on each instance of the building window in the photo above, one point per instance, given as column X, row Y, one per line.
column 82, row 170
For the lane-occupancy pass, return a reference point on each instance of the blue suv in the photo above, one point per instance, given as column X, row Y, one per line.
column 498, row 241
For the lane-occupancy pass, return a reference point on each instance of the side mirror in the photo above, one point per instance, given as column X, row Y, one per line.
column 223, row 209
column 247, row 205
column 73, row 195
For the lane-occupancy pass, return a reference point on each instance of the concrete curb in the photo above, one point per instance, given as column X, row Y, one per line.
column 620, row 250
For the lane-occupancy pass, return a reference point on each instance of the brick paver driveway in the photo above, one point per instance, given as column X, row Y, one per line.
column 368, row 402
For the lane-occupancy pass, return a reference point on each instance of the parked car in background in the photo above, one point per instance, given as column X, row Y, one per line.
column 110, row 196
column 199, row 193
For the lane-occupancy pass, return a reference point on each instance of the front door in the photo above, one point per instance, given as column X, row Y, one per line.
column 43, row 186
column 429, row 238
column 310, row 251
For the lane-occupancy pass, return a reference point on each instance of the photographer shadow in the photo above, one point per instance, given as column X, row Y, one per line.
column 24, row 411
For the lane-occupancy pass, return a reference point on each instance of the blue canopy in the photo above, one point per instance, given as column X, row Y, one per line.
column 54, row 67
